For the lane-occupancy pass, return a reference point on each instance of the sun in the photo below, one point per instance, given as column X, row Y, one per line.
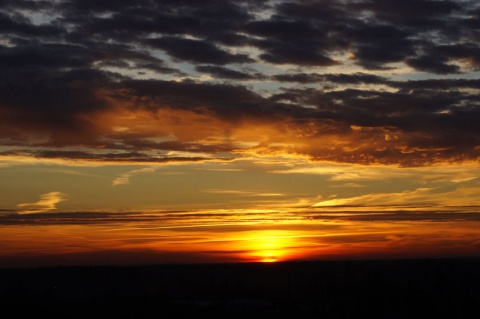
column 269, row 258
column 270, row 251
column 267, row 246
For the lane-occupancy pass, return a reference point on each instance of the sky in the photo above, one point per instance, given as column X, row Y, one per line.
column 161, row 131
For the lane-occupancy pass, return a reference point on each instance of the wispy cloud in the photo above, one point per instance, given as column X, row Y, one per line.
column 241, row 192
column 46, row 203
column 353, row 173
column 349, row 185
column 124, row 179
column 398, row 198
column 420, row 197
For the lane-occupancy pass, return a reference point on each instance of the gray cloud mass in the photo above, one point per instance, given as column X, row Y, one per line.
column 66, row 65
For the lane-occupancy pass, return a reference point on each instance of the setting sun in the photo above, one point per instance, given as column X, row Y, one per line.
column 267, row 246
column 269, row 259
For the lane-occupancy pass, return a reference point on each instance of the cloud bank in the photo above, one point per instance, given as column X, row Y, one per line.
column 364, row 81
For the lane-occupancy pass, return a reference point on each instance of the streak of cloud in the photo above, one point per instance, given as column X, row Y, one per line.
column 408, row 198
column 46, row 203
column 455, row 196
column 124, row 178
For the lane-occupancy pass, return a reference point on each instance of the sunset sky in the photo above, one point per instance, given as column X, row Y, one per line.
column 166, row 131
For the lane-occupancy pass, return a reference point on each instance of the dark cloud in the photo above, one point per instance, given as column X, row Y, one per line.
column 196, row 51
column 300, row 53
column 298, row 77
column 86, row 217
column 192, row 95
column 400, row 126
column 469, row 53
column 399, row 216
column 289, row 39
column 226, row 73
column 213, row 21
column 75, row 72
column 356, row 78
column 377, row 45
column 117, row 157
column 442, row 84
column 22, row 26
column 434, row 64
column 414, row 13
column 55, row 218
column 228, row 102
column 284, row 29
column 46, row 56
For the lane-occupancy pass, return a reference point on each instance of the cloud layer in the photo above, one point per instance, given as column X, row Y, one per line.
column 370, row 81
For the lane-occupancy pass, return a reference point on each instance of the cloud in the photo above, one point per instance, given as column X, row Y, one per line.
column 196, row 51
column 242, row 193
column 124, row 179
column 436, row 65
column 312, row 73
column 354, row 174
column 238, row 218
column 415, row 198
column 46, row 203
column 226, row 73
column 447, row 196
column 349, row 185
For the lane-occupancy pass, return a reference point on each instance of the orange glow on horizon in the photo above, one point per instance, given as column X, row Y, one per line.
column 266, row 246
column 138, row 242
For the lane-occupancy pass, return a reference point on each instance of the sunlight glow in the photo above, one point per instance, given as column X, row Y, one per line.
column 267, row 246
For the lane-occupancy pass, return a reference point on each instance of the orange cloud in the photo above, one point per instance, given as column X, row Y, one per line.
column 124, row 179
column 46, row 203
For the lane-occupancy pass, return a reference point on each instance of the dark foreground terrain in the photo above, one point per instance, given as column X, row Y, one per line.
column 327, row 289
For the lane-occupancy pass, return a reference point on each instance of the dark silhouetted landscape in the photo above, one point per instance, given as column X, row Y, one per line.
column 447, row 288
